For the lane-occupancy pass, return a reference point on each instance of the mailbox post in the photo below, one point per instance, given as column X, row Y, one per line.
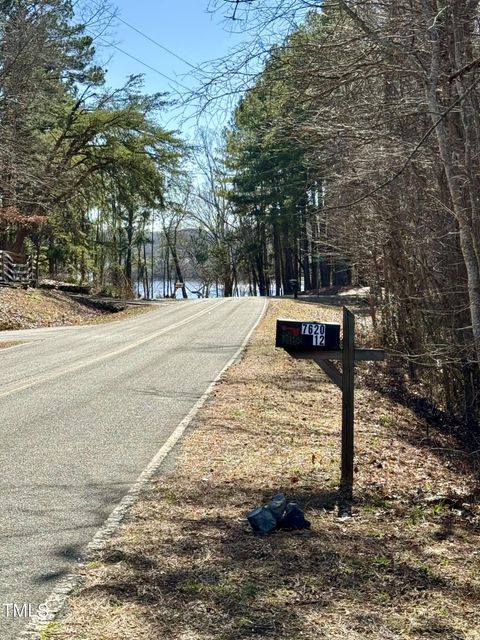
column 320, row 342
column 294, row 284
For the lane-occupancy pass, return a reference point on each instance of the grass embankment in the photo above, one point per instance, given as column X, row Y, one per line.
column 7, row 344
column 186, row 566
column 32, row 308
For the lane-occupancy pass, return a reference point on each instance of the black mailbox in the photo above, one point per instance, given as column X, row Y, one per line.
column 304, row 335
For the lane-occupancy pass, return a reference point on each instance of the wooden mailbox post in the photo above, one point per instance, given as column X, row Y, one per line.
column 321, row 342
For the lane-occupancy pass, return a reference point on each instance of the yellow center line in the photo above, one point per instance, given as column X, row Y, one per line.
column 106, row 356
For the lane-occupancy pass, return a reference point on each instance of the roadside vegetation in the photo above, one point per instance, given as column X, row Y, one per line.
column 83, row 164
column 351, row 157
column 34, row 308
column 186, row 564
column 4, row 344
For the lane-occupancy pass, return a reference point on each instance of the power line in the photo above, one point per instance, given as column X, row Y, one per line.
column 158, row 44
column 145, row 64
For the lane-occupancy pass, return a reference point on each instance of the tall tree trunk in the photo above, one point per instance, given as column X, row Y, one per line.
column 128, row 253
column 277, row 256
column 172, row 244
column 456, row 180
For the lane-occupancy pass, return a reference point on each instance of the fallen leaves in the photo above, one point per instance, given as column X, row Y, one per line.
column 35, row 308
column 32, row 308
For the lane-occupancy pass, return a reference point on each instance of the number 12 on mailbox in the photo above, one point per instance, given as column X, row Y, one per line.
column 301, row 335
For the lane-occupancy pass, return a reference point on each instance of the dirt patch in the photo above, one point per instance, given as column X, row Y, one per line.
column 32, row 308
column 187, row 567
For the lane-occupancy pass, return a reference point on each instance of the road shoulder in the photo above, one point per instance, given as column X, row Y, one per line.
column 185, row 565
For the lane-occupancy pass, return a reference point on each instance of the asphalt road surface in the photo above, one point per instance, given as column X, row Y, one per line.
column 83, row 410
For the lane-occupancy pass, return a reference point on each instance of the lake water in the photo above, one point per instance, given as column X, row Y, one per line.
column 192, row 286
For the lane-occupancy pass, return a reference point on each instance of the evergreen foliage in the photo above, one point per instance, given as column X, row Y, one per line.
column 80, row 163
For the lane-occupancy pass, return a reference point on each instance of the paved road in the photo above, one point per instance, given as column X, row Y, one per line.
column 83, row 410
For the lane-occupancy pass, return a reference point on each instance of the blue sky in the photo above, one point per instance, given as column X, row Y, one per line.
column 184, row 26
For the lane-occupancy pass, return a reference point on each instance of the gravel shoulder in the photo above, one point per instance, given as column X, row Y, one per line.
column 185, row 565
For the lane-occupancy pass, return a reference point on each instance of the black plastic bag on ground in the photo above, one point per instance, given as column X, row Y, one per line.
column 262, row 520
column 277, row 514
column 294, row 518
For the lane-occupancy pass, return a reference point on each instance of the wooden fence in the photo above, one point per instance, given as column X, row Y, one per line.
column 15, row 269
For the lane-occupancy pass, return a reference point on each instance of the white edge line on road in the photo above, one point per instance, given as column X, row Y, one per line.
column 57, row 599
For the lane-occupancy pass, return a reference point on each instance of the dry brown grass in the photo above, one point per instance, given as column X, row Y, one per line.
column 186, row 566
column 129, row 312
column 4, row 344
column 28, row 309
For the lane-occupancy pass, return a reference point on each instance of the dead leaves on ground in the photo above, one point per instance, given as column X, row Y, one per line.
column 36, row 308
